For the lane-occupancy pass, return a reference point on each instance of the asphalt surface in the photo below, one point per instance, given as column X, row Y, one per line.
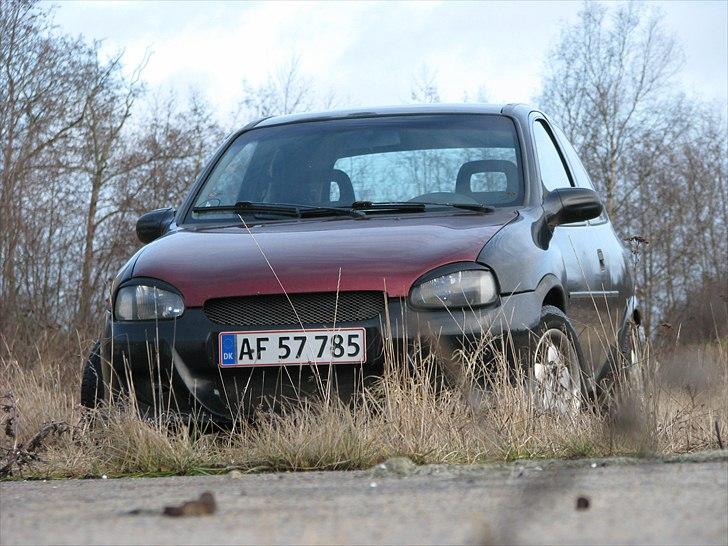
column 635, row 502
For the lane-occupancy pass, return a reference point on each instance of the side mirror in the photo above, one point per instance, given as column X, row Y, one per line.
column 153, row 224
column 567, row 205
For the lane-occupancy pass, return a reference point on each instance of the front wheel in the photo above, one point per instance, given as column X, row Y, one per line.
column 555, row 375
column 92, row 380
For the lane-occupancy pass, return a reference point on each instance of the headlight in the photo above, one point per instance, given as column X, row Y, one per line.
column 468, row 288
column 141, row 302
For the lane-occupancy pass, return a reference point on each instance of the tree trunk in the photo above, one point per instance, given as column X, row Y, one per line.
column 85, row 288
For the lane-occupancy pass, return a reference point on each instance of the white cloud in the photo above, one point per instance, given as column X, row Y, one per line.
column 367, row 52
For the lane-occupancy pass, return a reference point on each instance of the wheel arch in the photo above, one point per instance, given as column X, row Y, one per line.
column 550, row 292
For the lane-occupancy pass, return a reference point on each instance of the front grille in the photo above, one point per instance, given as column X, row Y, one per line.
column 313, row 308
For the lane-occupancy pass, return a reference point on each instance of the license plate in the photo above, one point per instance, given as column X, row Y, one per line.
column 284, row 347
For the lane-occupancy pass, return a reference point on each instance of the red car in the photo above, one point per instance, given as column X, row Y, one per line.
column 309, row 238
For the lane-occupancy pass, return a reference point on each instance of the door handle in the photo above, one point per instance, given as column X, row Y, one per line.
column 602, row 263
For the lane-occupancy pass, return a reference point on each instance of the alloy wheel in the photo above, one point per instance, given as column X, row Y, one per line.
column 556, row 374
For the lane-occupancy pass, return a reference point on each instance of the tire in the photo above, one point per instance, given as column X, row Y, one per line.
column 624, row 378
column 92, row 383
column 555, row 365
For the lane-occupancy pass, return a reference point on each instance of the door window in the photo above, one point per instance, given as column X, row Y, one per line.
column 553, row 171
column 577, row 167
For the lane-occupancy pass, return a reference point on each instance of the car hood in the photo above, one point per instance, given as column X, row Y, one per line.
column 384, row 254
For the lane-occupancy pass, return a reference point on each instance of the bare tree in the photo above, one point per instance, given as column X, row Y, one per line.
column 151, row 165
column 100, row 149
column 606, row 79
column 285, row 91
column 424, row 87
column 658, row 157
column 480, row 95
column 680, row 207
column 42, row 100
column 75, row 170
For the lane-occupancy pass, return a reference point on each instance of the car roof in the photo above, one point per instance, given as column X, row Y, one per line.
column 469, row 108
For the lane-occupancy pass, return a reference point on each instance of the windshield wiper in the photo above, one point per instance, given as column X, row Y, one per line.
column 416, row 206
column 477, row 207
column 295, row 211
column 314, row 211
column 398, row 206
column 247, row 206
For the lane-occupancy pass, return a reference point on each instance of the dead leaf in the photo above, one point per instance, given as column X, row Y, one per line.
column 204, row 506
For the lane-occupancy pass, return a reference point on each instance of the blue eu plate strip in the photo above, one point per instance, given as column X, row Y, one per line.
column 229, row 348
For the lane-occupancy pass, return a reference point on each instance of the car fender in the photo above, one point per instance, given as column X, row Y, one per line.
column 519, row 263
column 127, row 270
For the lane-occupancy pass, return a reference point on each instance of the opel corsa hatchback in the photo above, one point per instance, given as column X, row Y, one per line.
column 308, row 239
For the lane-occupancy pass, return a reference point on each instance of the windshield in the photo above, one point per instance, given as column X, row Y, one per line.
column 441, row 159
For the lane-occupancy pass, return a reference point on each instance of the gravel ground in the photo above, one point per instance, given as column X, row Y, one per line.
column 629, row 501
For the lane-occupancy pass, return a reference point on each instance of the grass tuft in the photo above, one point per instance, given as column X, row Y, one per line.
column 676, row 407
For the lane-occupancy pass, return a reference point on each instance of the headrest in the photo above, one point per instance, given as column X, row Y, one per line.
column 486, row 166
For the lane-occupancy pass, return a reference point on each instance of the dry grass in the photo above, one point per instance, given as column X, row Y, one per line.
column 676, row 408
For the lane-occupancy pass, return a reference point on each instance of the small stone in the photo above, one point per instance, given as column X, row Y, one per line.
column 399, row 466
column 373, row 485
column 235, row 474
column 104, row 477
column 582, row 503
column 594, row 465
column 203, row 506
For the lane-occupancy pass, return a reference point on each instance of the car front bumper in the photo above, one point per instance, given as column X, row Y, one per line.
column 173, row 365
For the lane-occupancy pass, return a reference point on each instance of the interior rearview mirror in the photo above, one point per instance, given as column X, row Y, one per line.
column 567, row 205
column 153, row 224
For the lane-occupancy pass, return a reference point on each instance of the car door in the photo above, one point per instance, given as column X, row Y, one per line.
column 578, row 245
column 616, row 281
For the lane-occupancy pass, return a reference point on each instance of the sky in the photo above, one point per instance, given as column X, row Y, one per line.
column 367, row 53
